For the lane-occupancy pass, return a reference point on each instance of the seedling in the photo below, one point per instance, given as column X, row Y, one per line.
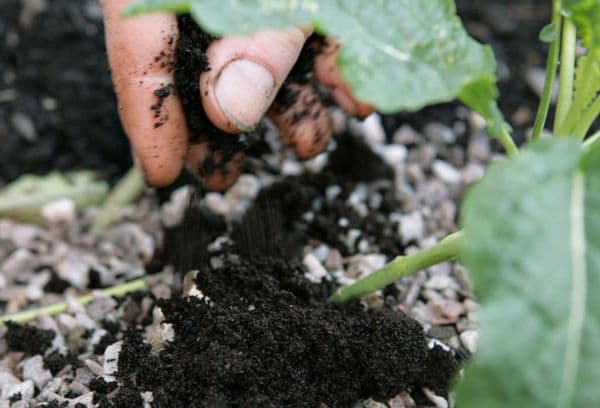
column 531, row 237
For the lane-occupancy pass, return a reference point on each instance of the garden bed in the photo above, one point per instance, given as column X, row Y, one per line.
column 254, row 327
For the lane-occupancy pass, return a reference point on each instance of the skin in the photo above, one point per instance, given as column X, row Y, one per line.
column 261, row 62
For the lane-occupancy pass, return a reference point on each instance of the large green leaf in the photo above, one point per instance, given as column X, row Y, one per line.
column 397, row 54
column 532, row 246
column 23, row 199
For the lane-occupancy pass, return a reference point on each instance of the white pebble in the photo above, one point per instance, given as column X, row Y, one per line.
column 321, row 252
column 318, row 163
column 446, row 172
column 26, row 389
column 216, row 203
column 412, row 227
column 332, row 192
column 33, row 369
column 24, row 126
column 405, row 134
column 111, row 358
column 291, row 167
column 363, row 265
column 392, row 154
column 171, row 213
column 373, row 129
column 439, row 133
column 315, row 270
column 470, row 339
column 343, row 222
column 60, row 211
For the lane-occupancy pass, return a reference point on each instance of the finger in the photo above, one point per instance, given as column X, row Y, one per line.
column 246, row 74
column 302, row 120
column 327, row 72
column 217, row 170
column 141, row 55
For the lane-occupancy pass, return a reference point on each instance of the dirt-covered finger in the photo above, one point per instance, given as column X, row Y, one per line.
column 327, row 72
column 302, row 119
column 217, row 169
column 246, row 74
column 141, row 55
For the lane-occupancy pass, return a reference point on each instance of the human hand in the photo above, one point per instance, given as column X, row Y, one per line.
column 245, row 76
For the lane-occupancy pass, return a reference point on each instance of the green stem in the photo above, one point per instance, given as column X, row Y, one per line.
column 508, row 143
column 567, row 72
column 445, row 250
column 57, row 308
column 127, row 190
column 583, row 97
column 551, row 64
column 586, row 120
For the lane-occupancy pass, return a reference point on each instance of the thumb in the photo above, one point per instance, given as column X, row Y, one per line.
column 246, row 74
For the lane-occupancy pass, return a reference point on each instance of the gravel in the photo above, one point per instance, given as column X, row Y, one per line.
column 42, row 265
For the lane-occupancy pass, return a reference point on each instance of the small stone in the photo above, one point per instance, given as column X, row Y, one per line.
column 94, row 367
column 373, row 129
column 171, row 212
column 470, row 339
column 412, row 227
column 111, row 358
column 472, row 172
column 363, row 246
column 403, row 400
column 370, row 403
column 439, row 133
column 479, row 148
column 332, row 192
column 441, row 282
column 321, row 252
column 392, row 154
column 49, row 104
column 24, row 126
column 158, row 334
column 476, row 122
column 405, row 135
column 315, row 270
column 317, row 164
column 291, row 167
column 60, row 211
column 446, row 172
column 85, row 400
column 363, row 265
column 26, row 389
column 216, row 203
column 334, row 260
column 33, row 369
column 351, row 237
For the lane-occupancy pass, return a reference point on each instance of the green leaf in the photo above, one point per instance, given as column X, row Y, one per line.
column 532, row 246
column 147, row 6
column 23, row 199
column 396, row 54
column 549, row 33
column 586, row 16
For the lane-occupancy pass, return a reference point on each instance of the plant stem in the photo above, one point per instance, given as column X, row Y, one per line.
column 57, row 308
column 567, row 71
column 130, row 187
column 445, row 250
column 551, row 64
column 508, row 143
column 587, row 118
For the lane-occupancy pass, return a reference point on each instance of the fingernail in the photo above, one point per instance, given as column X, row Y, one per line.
column 244, row 91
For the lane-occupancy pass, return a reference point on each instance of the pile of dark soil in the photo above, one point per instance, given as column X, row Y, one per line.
column 264, row 336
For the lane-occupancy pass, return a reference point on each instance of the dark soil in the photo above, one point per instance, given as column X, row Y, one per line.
column 28, row 339
column 271, row 339
column 264, row 335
